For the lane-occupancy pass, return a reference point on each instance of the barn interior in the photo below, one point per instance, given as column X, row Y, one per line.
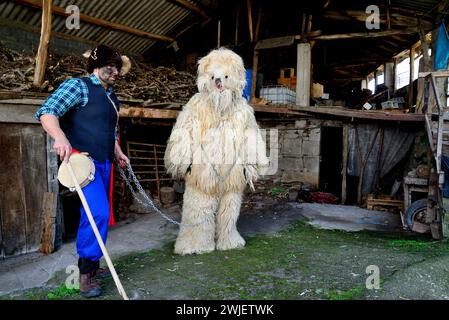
column 347, row 85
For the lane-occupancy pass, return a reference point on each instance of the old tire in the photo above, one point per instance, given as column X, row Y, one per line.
column 416, row 212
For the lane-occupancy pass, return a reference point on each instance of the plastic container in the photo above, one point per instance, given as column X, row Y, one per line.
column 278, row 95
column 247, row 89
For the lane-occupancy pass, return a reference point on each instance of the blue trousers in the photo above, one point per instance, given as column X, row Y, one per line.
column 96, row 193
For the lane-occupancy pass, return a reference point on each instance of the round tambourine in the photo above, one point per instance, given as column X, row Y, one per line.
column 83, row 168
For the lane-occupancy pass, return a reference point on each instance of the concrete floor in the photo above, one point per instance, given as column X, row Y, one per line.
column 149, row 231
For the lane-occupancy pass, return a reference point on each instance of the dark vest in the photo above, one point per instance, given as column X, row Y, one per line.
column 92, row 128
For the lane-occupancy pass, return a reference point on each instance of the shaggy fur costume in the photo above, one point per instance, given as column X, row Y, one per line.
column 217, row 147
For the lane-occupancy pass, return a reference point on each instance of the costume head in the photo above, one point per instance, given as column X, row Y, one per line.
column 221, row 76
column 104, row 55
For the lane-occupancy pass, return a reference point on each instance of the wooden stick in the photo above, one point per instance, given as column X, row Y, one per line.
column 121, row 291
column 42, row 52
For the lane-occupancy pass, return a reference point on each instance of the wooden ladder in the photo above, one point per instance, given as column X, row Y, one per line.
column 437, row 128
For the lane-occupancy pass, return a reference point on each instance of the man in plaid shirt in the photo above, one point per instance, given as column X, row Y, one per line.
column 82, row 115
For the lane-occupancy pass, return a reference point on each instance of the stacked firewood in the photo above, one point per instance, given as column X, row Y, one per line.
column 152, row 85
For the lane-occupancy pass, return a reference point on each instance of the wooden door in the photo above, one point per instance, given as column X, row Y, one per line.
column 23, row 181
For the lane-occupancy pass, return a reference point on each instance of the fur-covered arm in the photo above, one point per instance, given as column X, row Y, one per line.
column 178, row 155
column 256, row 160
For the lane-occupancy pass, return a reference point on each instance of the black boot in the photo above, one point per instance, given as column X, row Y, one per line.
column 89, row 286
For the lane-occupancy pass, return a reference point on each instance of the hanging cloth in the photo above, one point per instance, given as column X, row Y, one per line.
column 441, row 48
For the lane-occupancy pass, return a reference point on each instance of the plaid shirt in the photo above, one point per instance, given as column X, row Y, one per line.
column 72, row 93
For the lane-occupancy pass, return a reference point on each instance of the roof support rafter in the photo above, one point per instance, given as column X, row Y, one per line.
column 99, row 22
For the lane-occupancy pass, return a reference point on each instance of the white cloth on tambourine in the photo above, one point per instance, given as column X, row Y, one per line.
column 83, row 168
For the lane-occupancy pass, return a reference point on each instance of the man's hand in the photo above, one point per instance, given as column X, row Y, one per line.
column 120, row 157
column 62, row 147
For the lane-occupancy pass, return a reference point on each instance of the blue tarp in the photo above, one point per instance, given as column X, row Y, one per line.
column 441, row 48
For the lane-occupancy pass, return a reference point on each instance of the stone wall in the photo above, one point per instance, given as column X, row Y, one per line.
column 298, row 153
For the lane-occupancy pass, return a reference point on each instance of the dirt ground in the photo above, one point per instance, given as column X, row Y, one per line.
column 293, row 260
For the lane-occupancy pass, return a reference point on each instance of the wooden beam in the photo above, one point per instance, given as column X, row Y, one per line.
column 139, row 112
column 192, row 7
column 388, row 4
column 275, row 42
column 218, row 33
column 254, row 74
column 365, row 34
column 49, row 204
column 250, row 20
column 273, row 109
column 412, row 75
column 259, row 19
column 440, row 73
column 42, row 52
column 99, row 22
column 391, row 18
column 344, row 193
column 236, row 36
column 443, row 6
column 424, row 46
column 364, row 114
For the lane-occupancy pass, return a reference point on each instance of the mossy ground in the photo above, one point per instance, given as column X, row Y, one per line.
column 298, row 263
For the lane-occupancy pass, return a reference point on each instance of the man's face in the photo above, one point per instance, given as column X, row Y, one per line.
column 108, row 74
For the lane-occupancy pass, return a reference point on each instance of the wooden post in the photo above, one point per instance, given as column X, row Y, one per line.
column 345, row 164
column 218, row 33
column 375, row 81
column 49, row 204
column 53, row 187
column 259, row 19
column 254, row 74
column 303, row 70
column 303, row 25
column 158, row 182
column 250, row 20
column 236, row 36
column 42, row 52
column 412, row 74
column 388, row 15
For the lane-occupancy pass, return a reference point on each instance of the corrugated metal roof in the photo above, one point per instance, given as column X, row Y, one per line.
column 154, row 16
column 427, row 7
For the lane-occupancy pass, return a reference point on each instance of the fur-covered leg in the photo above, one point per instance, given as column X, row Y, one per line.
column 197, row 207
column 226, row 222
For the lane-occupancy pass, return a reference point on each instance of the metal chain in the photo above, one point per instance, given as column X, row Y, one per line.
column 148, row 202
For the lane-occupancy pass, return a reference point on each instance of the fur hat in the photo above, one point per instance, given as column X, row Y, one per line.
column 103, row 55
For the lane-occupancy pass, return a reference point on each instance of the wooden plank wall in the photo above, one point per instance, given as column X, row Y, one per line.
column 23, row 181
